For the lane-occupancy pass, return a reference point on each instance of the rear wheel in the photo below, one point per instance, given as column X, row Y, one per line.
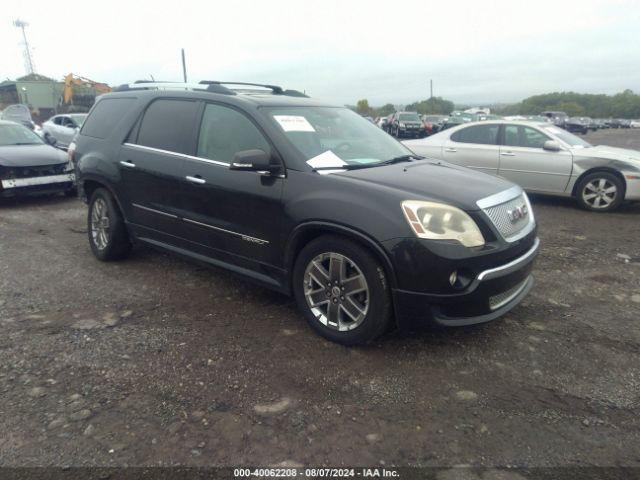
column 108, row 234
column 342, row 291
column 600, row 192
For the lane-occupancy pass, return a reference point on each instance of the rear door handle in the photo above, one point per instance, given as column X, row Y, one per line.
column 450, row 150
column 128, row 164
column 199, row 180
column 508, row 154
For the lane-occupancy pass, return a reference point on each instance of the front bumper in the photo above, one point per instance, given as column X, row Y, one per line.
column 632, row 191
column 33, row 185
column 491, row 294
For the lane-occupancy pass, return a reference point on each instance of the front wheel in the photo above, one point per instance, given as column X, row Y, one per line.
column 342, row 290
column 108, row 234
column 600, row 192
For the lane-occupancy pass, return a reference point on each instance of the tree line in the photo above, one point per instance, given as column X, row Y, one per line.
column 621, row 105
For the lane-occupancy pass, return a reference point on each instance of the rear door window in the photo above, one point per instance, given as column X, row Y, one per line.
column 167, row 124
column 225, row 131
column 478, row 134
column 105, row 116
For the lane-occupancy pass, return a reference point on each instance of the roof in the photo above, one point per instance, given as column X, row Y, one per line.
column 245, row 98
column 35, row 77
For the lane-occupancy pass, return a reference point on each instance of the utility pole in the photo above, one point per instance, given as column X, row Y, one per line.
column 184, row 67
column 431, row 87
column 27, row 50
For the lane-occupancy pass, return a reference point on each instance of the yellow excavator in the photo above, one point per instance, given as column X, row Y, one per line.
column 79, row 93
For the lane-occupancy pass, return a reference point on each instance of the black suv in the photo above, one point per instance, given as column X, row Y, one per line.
column 305, row 198
column 406, row 124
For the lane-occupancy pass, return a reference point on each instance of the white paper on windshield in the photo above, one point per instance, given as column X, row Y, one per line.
column 294, row 123
column 327, row 159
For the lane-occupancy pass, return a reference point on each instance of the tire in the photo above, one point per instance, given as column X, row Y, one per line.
column 109, row 240
column 347, row 318
column 600, row 192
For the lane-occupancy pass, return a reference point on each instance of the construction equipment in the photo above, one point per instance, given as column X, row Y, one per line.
column 79, row 93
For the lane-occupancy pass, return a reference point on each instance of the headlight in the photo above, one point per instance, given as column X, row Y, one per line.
column 402, row 125
column 437, row 221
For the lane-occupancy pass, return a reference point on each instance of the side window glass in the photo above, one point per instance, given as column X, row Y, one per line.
column 532, row 138
column 225, row 131
column 479, row 134
column 57, row 120
column 167, row 125
column 511, row 135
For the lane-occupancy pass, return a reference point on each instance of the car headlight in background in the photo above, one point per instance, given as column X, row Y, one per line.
column 402, row 125
column 437, row 221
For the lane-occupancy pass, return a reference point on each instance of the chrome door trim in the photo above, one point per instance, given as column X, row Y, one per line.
column 198, row 180
column 510, row 267
column 247, row 238
column 153, row 210
column 127, row 164
column 176, row 154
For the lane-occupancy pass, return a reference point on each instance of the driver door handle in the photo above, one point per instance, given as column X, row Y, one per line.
column 508, row 154
column 199, row 180
column 128, row 164
column 450, row 150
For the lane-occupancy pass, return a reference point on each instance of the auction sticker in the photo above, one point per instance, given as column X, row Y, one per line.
column 294, row 123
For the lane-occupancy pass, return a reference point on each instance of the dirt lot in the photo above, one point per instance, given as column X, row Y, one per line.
column 156, row 361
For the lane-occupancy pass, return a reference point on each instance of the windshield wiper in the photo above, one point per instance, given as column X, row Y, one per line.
column 358, row 166
column 401, row 158
column 26, row 143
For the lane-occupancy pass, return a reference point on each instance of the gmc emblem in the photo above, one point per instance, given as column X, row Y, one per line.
column 517, row 213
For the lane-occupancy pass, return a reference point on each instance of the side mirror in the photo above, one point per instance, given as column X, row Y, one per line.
column 51, row 140
column 255, row 160
column 551, row 146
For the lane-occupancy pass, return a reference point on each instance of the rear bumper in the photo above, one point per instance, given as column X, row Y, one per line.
column 34, row 185
column 490, row 295
column 632, row 191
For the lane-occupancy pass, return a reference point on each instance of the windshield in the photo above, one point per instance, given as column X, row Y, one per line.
column 18, row 135
column 408, row 117
column 79, row 118
column 16, row 112
column 566, row 137
column 329, row 136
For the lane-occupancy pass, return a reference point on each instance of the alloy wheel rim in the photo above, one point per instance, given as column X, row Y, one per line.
column 599, row 193
column 100, row 224
column 336, row 291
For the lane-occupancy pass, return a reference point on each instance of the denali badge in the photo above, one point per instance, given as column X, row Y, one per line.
column 517, row 213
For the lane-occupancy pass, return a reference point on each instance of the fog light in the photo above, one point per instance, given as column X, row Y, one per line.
column 453, row 278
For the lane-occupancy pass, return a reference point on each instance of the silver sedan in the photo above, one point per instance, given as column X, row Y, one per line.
column 541, row 158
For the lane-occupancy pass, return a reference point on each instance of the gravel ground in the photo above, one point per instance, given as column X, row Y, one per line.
column 157, row 361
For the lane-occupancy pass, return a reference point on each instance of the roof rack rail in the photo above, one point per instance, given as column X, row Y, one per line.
column 274, row 88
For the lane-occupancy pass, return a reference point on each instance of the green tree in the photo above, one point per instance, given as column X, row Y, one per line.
column 363, row 108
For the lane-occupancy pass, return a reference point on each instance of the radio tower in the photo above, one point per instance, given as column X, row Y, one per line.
column 28, row 60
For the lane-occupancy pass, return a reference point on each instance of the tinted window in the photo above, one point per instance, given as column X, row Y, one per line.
column 519, row 136
column 168, row 125
column 225, row 131
column 57, row 120
column 482, row 134
column 105, row 116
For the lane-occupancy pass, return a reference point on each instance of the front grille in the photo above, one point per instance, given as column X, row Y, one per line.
column 29, row 172
column 505, row 297
column 501, row 216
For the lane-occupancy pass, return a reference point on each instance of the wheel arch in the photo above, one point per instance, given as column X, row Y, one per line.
column 611, row 170
column 307, row 232
column 91, row 184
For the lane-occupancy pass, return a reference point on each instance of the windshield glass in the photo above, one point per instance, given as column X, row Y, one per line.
column 566, row 137
column 18, row 135
column 329, row 136
column 79, row 118
column 409, row 117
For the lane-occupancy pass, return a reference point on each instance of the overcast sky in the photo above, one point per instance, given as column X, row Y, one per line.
column 386, row 51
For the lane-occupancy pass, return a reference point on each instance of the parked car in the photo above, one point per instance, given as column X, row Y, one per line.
column 625, row 123
column 541, row 158
column 434, row 123
column 381, row 122
column 557, row 118
column 29, row 166
column 635, row 124
column 305, row 198
column 601, row 123
column 63, row 128
column 577, row 124
column 18, row 113
column 615, row 123
column 406, row 124
column 456, row 118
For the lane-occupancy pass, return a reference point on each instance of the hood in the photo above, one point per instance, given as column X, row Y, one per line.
column 30, row 155
column 434, row 181
column 609, row 153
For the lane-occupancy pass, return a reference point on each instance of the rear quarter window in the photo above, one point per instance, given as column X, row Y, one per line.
column 105, row 116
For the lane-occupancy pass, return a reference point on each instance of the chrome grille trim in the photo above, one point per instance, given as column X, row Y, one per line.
column 497, row 208
column 505, row 297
